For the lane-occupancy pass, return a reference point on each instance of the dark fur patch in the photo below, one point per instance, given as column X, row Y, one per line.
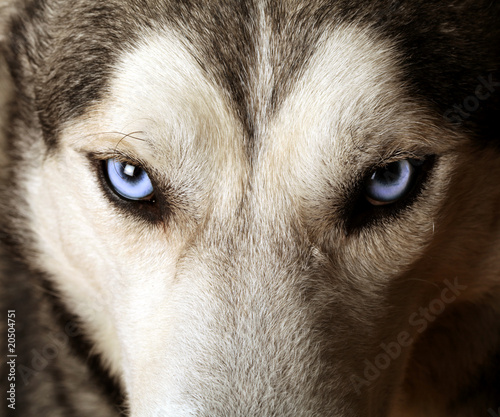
column 65, row 54
column 81, row 346
column 41, row 319
column 61, row 55
column 68, row 49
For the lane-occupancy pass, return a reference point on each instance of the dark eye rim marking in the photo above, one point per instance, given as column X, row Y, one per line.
column 360, row 213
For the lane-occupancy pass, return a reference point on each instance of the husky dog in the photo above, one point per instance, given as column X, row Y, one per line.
column 251, row 208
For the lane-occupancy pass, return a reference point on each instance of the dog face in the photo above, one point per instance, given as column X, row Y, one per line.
column 307, row 193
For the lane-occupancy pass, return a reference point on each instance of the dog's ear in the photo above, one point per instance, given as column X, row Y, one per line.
column 7, row 9
column 61, row 54
column 486, row 95
column 5, row 83
column 18, row 51
column 31, row 44
column 455, row 61
column 478, row 50
column 18, row 48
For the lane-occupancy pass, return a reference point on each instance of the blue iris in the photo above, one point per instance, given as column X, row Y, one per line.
column 390, row 183
column 128, row 180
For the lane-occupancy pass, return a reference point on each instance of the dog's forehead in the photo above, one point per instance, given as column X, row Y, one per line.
column 166, row 96
column 84, row 40
column 227, row 40
column 161, row 101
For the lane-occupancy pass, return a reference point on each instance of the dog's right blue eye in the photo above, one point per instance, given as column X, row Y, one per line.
column 128, row 181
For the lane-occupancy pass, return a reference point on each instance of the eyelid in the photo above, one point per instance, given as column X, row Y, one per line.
column 99, row 157
column 399, row 156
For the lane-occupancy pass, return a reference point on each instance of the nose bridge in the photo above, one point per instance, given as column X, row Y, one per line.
column 257, row 245
column 258, row 343
column 255, row 307
column 242, row 333
column 259, row 352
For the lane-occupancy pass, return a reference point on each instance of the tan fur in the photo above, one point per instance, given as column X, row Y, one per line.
column 252, row 296
column 147, row 280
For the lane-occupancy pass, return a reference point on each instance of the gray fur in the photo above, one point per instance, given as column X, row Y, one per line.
column 297, row 293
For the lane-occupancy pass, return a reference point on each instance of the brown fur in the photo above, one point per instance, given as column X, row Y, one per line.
column 262, row 281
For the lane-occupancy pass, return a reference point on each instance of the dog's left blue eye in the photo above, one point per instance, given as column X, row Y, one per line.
column 129, row 181
column 391, row 183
